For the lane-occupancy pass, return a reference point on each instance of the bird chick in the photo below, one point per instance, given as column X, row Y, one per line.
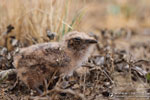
column 38, row 62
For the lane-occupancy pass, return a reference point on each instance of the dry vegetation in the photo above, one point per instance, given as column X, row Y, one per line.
column 119, row 66
column 33, row 19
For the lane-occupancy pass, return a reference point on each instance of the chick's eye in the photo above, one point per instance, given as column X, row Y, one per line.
column 77, row 39
column 74, row 41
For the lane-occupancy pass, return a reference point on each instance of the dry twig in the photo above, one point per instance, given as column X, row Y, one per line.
column 4, row 74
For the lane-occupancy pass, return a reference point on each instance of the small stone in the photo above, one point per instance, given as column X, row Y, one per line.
column 99, row 60
column 3, row 51
column 14, row 42
column 9, row 56
column 51, row 35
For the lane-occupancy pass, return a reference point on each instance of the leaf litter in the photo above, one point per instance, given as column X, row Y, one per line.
column 115, row 70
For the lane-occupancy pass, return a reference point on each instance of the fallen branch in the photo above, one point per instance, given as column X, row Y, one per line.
column 69, row 91
column 39, row 98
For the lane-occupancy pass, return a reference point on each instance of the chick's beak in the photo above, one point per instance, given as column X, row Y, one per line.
column 91, row 41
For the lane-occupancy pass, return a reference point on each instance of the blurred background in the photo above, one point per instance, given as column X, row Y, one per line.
column 29, row 21
column 117, row 13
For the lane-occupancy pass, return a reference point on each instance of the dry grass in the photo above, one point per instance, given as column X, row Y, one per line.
column 33, row 18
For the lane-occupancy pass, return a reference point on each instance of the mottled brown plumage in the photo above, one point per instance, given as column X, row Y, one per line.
column 38, row 62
